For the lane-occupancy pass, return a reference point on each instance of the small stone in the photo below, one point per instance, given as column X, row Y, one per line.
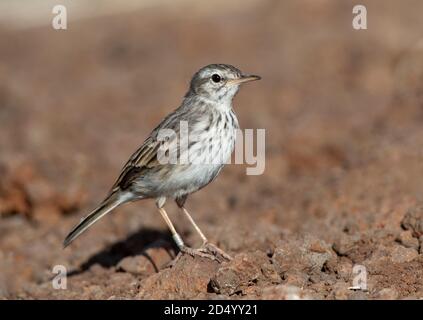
column 358, row 295
column 407, row 240
column 120, row 278
column 14, row 201
column 94, row 292
column 46, row 213
column 317, row 247
column 189, row 277
column 413, row 220
column 340, row 291
column 402, row 254
column 285, row 292
column 296, row 278
column 387, row 294
column 39, row 191
column 244, row 270
column 97, row 269
column 71, row 200
column 303, row 255
column 344, row 269
column 345, row 244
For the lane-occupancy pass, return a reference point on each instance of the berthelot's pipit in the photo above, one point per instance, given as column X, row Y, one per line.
column 207, row 111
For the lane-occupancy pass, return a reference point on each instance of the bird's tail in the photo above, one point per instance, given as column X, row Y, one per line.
column 112, row 201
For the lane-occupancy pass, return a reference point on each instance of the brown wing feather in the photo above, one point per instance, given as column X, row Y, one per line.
column 145, row 157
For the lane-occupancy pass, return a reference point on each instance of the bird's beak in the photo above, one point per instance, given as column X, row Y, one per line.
column 244, row 78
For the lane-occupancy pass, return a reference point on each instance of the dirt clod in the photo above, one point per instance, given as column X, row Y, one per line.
column 285, row 292
column 302, row 253
column 407, row 240
column 187, row 279
column 387, row 294
column 413, row 221
column 401, row 254
column 245, row 270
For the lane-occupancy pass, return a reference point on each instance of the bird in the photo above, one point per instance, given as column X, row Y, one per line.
column 207, row 117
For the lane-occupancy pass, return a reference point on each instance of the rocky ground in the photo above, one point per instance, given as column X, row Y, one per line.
column 343, row 114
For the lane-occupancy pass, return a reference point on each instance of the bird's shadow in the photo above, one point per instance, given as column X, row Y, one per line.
column 134, row 244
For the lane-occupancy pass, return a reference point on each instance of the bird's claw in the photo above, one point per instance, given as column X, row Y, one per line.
column 200, row 252
column 216, row 251
column 207, row 250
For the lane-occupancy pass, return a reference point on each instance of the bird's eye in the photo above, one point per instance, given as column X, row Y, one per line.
column 216, row 78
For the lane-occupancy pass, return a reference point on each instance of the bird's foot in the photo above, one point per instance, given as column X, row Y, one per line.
column 200, row 252
column 216, row 251
column 207, row 250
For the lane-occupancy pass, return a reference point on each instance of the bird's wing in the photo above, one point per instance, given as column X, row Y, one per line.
column 145, row 157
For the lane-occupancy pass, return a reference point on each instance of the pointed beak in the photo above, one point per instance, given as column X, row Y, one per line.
column 244, row 78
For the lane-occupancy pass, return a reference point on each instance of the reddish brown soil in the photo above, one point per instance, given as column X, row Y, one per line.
column 343, row 185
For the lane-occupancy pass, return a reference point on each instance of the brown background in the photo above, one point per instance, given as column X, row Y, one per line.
column 343, row 182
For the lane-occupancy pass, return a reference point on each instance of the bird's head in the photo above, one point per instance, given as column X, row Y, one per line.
column 218, row 82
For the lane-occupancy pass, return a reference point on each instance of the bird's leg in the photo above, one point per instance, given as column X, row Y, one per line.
column 197, row 228
column 180, row 243
column 176, row 237
column 206, row 245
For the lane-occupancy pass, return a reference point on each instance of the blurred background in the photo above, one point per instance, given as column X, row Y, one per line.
column 342, row 109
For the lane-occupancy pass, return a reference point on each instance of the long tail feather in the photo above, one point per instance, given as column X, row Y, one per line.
column 112, row 201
